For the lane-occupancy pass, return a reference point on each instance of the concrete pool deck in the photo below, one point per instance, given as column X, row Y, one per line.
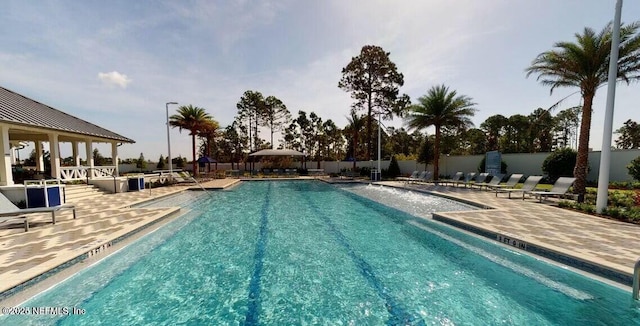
column 611, row 244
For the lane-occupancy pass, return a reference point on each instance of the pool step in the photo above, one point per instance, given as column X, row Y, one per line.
column 78, row 193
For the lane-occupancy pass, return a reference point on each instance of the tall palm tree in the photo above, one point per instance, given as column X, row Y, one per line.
column 585, row 64
column 191, row 118
column 356, row 123
column 440, row 108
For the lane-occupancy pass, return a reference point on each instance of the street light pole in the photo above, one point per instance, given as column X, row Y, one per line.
column 605, row 154
column 169, row 140
column 379, row 149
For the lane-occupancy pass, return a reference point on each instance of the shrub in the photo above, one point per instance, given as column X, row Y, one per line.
column 394, row 168
column 560, row 164
column 483, row 163
column 634, row 168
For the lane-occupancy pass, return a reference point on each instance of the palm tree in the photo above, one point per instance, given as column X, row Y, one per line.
column 585, row 64
column 356, row 123
column 194, row 119
column 441, row 109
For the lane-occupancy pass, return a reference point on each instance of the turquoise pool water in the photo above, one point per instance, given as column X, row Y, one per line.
column 296, row 252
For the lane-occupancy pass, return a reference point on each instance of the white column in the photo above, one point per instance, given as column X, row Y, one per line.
column 89, row 149
column 54, row 154
column 114, row 157
column 6, row 176
column 76, row 152
column 39, row 156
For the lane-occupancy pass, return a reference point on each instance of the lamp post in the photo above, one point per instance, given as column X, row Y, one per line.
column 379, row 172
column 605, row 154
column 169, row 140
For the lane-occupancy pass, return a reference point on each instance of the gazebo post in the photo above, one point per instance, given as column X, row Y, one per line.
column 39, row 156
column 76, row 152
column 114, row 158
column 89, row 152
column 6, row 176
column 54, row 155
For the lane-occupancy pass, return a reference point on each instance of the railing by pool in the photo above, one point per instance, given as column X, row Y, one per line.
column 636, row 280
column 69, row 173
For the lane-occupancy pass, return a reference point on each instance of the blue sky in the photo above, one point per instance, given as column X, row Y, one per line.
column 116, row 63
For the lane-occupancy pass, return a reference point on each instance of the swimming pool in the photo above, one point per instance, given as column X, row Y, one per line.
column 298, row 252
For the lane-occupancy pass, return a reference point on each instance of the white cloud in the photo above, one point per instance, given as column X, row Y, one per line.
column 114, row 78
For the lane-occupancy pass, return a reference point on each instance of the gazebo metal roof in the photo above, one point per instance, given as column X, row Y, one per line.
column 21, row 110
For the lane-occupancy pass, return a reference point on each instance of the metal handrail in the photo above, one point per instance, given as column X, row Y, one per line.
column 636, row 280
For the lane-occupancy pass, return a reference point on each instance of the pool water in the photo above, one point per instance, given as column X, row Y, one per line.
column 299, row 252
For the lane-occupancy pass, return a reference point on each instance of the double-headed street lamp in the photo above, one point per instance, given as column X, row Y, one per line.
column 169, row 140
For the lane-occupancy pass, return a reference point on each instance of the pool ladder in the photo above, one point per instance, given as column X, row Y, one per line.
column 636, row 280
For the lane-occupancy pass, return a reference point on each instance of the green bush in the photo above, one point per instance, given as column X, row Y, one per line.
column 560, row 164
column 394, row 168
column 634, row 168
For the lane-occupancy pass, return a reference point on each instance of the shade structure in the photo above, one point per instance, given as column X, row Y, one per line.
column 206, row 159
column 277, row 152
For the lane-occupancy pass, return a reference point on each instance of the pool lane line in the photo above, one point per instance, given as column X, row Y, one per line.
column 399, row 316
column 253, row 311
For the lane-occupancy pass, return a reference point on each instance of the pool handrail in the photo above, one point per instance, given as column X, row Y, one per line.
column 636, row 281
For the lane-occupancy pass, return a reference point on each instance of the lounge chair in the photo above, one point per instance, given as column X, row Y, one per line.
column 495, row 180
column 479, row 178
column 511, row 183
column 529, row 184
column 468, row 178
column 426, row 176
column 560, row 188
column 414, row 175
column 9, row 211
column 456, row 177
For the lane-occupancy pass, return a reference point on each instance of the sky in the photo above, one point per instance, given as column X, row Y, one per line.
column 116, row 63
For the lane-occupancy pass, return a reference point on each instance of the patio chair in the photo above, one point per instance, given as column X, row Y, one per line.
column 511, row 183
column 424, row 177
column 413, row 175
column 468, row 178
column 456, row 177
column 495, row 180
column 9, row 211
column 477, row 179
column 560, row 188
column 529, row 184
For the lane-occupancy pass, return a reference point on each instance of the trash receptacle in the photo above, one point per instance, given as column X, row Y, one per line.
column 135, row 183
column 43, row 193
column 375, row 175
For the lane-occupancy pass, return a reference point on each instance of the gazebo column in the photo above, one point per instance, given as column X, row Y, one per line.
column 39, row 156
column 76, row 152
column 89, row 149
column 6, row 176
column 114, row 157
column 54, row 153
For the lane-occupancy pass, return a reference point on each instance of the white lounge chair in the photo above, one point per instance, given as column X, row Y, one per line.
column 456, row 177
column 9, row 211
column 560, row 188
column 529, row 185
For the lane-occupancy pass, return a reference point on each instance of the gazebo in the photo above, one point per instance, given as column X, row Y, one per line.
column 25, row 120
